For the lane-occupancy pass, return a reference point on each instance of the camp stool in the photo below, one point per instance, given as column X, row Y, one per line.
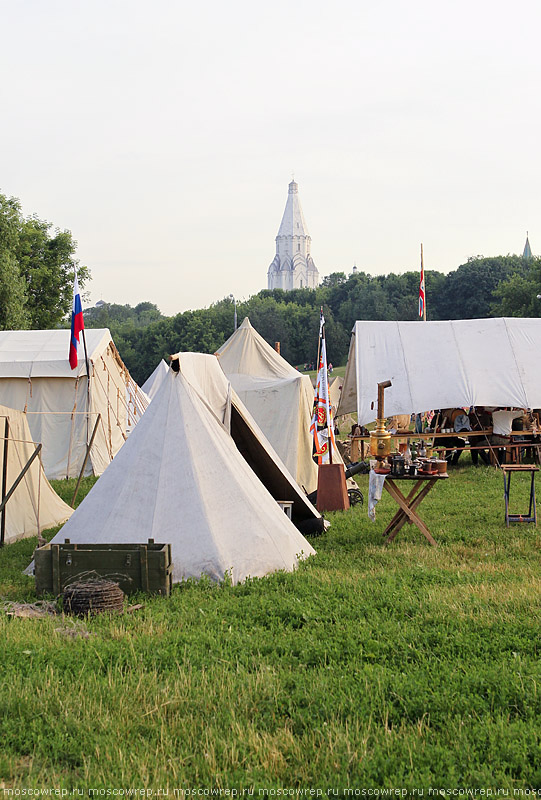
column 508, row 470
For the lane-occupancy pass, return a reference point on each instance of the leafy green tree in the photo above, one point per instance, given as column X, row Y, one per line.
column 36, row 270
column 47, row 264
column 469, row 291
column 518, row 295
column 334, row 279
column 13, row 311
column 122, row 317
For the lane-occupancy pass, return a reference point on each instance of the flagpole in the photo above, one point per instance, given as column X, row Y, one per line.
column 76, row 283
column 86, row 355
column 87, row 387
column 319, row 339
column 424, row 283
column 321, row 402
column 327, row 401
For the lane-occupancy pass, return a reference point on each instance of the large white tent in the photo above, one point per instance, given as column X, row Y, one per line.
column 62, row 409
column 277, row 395
column 451, row 364
column 181, row 479
column 34, row 505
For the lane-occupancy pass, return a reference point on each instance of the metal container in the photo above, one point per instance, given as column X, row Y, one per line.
column 398, row 466
column 380, row 440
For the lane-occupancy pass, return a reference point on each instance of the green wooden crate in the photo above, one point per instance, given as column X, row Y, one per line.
column 135, row 567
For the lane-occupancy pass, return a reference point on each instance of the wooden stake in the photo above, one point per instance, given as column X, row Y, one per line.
column 4, row 483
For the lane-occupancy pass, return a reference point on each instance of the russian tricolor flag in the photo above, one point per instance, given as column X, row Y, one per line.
column 77, row 323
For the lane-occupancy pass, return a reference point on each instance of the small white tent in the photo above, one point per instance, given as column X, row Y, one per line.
column 335, row 390
column 276, row 394
column 180, row 479
column 35, row 377
column 34, row 505
column 451, row 364
column 154, row 381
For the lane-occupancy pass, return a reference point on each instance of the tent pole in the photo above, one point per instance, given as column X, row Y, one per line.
column 91, row 442
column 423, row 272
column 87, row 385
column 327, row 400
column 17, row 482
column 4, row 483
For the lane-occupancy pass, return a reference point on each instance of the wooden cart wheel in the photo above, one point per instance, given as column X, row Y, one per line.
column 355, row 497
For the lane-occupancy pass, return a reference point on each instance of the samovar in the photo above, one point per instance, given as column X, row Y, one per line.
column 380, row 439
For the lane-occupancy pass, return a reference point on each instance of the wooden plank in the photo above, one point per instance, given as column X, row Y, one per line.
column 4, row 483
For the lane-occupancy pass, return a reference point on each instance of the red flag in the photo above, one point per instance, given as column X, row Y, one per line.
column 77, row 323
column 321, row 426
column 422, row 299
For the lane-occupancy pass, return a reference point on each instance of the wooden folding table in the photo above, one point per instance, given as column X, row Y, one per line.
column 408, row 505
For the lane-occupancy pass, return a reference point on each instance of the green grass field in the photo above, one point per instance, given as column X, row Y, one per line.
column 371, row 668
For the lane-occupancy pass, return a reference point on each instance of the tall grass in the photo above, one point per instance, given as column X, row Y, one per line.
column 370, row 667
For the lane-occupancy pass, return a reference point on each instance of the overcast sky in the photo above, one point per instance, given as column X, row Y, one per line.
column 164, row 134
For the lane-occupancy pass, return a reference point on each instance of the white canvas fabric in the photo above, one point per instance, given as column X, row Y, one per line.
column 451, row 364
column 34, row 505
column 154, row 381
column 205, row 375
column 335, row 390
column 180, row 479
column 276, row 394
column 35, row 377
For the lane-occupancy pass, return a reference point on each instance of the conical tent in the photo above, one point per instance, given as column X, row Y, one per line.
column 154, row 381
column 276, row 394
column 180, row 479
column 34, row 505
column 335, row 389
column 205, row 374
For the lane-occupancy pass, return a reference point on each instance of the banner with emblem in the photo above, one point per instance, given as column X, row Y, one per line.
column 321, row 426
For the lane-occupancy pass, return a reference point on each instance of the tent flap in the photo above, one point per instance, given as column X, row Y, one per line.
column 34, row 505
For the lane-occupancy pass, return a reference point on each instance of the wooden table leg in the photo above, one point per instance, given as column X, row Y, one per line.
column 408, row 509
column 400, row 516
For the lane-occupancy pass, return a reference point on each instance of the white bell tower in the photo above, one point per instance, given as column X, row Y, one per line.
column 292, row 266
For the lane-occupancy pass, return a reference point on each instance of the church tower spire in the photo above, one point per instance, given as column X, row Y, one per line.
column 293, row 266
column 527, row 249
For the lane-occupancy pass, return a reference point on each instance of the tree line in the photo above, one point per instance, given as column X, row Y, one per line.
column 482, row 287
column 37, row 265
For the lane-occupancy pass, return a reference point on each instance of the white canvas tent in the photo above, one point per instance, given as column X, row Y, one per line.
column 204, row 373
column 154, row 381
column 35, row 377
column 276, row 394
column 34, row 505
column 180, row 479
column 451, row 364
column 335, row 390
